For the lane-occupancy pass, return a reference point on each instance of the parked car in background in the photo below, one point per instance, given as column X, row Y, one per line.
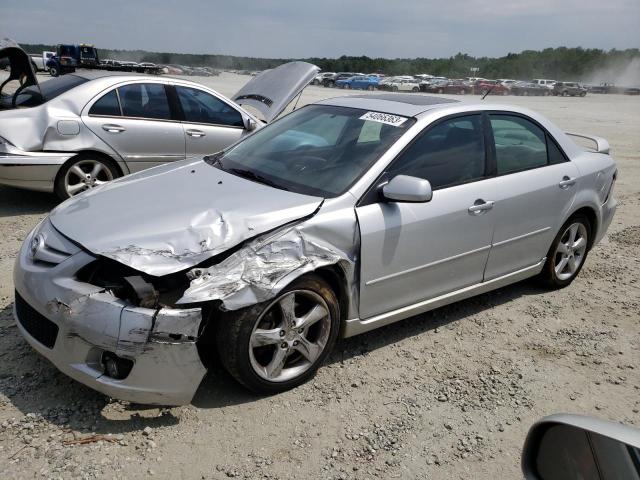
column 359, row 82
column 632, row 91
column 507, row 82
column 602, row 88
column 529, row 89
column 39, row 61
column 458, row 87
column 403, row 84
column 435, row 85
column 569, row 89
column 330, row 81
column 493, row 87
column 318, row 79
column 77, row 131
column 343, row 216
column 544, row 82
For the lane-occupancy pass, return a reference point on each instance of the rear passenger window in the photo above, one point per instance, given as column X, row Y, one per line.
column 555, row 154
column 520, row 144
column 144, row 100
column 450, row 153
column 108, row 105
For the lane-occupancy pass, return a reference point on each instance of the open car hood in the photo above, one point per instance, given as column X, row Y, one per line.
column 20, row 68
column 272, row 90
column 173, row 217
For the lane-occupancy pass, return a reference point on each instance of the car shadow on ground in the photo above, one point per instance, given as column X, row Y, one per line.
column 16, row 202
column 219, row 389
column 33, row 385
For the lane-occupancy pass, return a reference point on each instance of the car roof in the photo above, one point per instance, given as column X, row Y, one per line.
column 405, row 104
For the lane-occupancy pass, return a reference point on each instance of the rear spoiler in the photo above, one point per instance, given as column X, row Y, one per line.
column 602, row 146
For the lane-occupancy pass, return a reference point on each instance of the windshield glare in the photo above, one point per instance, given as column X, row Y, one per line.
column 318, row 150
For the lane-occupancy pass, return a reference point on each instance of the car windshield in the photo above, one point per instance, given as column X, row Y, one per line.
column 30, row 96
column 318, row 150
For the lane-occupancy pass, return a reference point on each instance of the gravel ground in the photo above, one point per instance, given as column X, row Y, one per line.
column 449, row 394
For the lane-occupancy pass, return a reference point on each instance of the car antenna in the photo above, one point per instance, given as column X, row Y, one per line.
column 489, row 91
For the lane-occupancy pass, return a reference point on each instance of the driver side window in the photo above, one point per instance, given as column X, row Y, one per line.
column 450, row 153
column 201, row 107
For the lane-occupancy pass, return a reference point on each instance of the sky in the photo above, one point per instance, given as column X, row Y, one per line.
column 326, row 28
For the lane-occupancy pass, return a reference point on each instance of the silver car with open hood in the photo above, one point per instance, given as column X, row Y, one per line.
column 75, row 132
column 343, row 216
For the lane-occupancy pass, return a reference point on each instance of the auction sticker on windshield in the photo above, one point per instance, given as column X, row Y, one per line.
column 385, row 118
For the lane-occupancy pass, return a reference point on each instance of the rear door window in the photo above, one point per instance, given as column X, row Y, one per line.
column 201, row 107
column 520, row 144
column 145, row 100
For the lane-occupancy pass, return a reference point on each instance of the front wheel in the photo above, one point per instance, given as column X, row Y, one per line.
column 567, row 253
column 53, row 71
column 83, row 172
column 279, row 344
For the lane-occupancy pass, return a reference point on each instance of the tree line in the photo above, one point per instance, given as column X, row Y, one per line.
column 558, row 63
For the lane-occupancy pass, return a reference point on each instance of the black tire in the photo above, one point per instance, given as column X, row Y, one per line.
column 415, row 89
column 565, row 93
column 440, row 90
column 53, row 71
column 370, row 88
column 582, row 94
column 59, row 183
column 394, row 89
column 548, row 277
column 235, row 328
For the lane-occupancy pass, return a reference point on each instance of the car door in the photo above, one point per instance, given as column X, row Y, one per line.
column 411, row 252
column 136, row 121
column 210, row 124
column 533, row 192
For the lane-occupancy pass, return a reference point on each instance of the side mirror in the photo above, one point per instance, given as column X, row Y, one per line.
column 249, row 124
column 577, row 447
column 403, row 188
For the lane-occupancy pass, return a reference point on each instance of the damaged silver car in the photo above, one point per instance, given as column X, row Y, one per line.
column 72, row 133
column 341, row 217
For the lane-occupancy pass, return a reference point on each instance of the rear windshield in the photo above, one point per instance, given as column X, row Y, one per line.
column 30, row 96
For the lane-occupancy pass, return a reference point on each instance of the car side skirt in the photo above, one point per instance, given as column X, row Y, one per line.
column 357, row 326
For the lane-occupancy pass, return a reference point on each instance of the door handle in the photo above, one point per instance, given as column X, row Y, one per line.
column 195, row 133
column 112, row 128
column 567, row 182
column 480, row 207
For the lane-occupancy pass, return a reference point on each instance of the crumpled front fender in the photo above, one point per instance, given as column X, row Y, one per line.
column 262, row 268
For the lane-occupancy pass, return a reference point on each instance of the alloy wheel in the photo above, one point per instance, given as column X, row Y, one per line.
column 571, row 251
column 84, row 175
column 289, row 336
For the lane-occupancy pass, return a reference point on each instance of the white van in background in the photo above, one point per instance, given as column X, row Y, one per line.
column 544, row 82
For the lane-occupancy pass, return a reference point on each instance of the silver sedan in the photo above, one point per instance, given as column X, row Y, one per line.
column 75, row 132
column 341, row 217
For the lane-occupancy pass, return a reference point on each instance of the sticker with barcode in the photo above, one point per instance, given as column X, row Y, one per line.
column 385, row 118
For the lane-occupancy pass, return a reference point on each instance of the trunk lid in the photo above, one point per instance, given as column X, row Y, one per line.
column 20, row 70
column 173, row 217
column 272, row 90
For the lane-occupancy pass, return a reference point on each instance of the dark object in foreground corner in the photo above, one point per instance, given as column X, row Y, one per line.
column 568, row 447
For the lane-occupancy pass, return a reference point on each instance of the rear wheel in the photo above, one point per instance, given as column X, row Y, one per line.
column 565, row 93
column 370, row 88
column 395, row 89
column 83, row 172
column 277, row 345
column 440, row 90
column 567, row 253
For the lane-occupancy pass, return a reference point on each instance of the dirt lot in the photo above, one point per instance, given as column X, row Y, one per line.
column 450, row 394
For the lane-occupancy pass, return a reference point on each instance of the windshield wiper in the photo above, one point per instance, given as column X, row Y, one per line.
column 215, row 159
column 251, row 175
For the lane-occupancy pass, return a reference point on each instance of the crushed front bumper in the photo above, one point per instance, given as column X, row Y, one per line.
column 73, row 324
